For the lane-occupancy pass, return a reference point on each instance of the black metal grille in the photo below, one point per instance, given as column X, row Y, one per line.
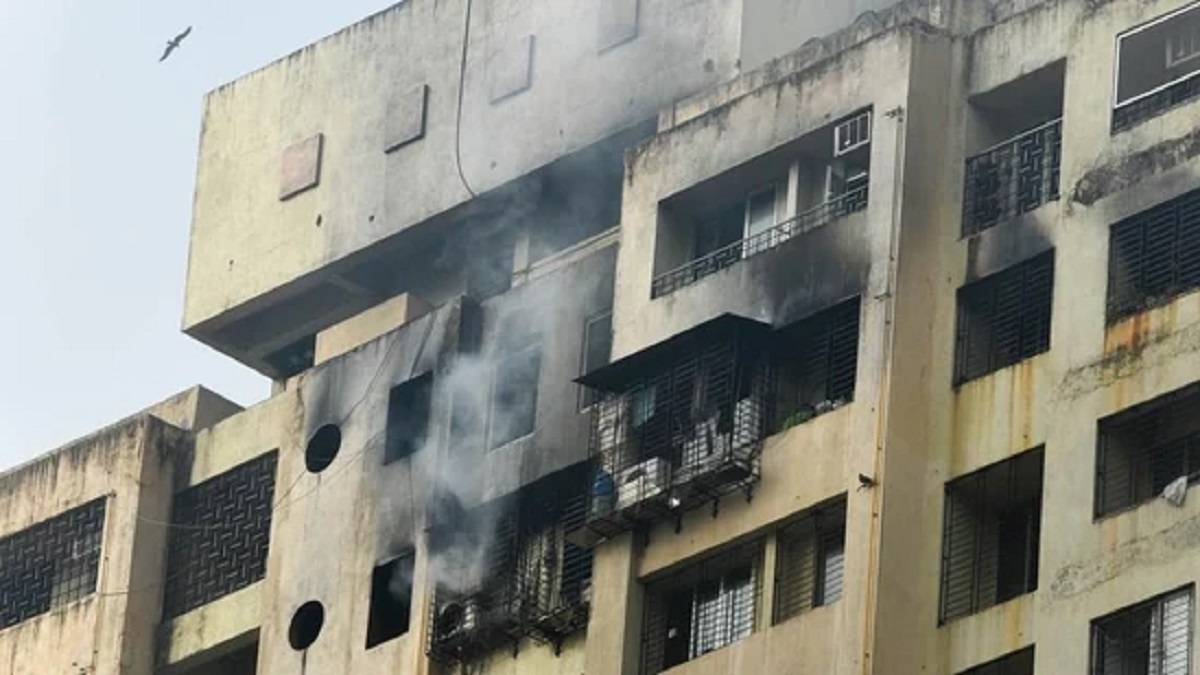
column 220, row 532
column 51, row 563
column 1141, row 451
column 1142, row 109
column 1154, row 256
column 1004, row 318
column 1012, row 178
column 818, row 363
column 703, row 607
column 840, row 206
column 990, row 535
column 809, row 561
column 1016, row 663
column 1152, row 638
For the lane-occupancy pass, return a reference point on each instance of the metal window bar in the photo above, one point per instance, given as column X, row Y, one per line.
column 1137, row 457
column 1154, row 256
column 1012, row 178
column 702, row 607
column 1004, row 318
column 818, row 364
column 51, row 563
column 1016, row 663
column 1151, row 638
column 990, row 536
column 1139, row 110
column 809, row 562
column 221, row 534
column 840, row 206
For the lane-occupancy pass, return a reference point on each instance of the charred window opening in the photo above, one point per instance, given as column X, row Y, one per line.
column 506, row 571
column 490, row 266
column 810, row 558
column 219, row 536
column 1142, row 450
column 1154, row 256
column 701, row 608
column 990, row 536
column 1154, row 637
column 757, row 207
column 1157, row 67
column 50, row 564
column 515, row 390
column 408, row 418
column 1004, row 318
column 1016, row 663
column 818, row 363
column 294, row 358
column 597, row 349
column 391, row 599
column 1016, row 136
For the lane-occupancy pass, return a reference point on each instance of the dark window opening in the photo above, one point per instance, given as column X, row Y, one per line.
column 391, row 599
column 1154, row 256
column 810, row 561
column 1151, row 638
column 1016, row 663
column 408, row 417
column 818, row 364
column 1157, row 67
column 1142, row 450
column 241, row 661
column 597, row 349
column 701, row 608
column 515, row 394
column 990, row 535
column 294, row 358
column 490, row 267
column 1004, row 318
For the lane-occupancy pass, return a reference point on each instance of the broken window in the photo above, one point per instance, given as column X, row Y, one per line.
column 1157, row 67
column 810, row 557
column 1016, row 663
column 818, row 363
column 1004, row 318
column 990, row 535
column 219, row 536
column 391, row 598
column 1154, row 256
column 407, row 417
column 703, row 607
column 50, row 564
column 1151, row 638
column 1142, row 450
column 597, row 349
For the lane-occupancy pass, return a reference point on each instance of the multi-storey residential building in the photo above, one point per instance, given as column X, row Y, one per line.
column 627, row 336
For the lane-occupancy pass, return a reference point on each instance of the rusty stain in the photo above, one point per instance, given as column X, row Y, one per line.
column 1133, row 168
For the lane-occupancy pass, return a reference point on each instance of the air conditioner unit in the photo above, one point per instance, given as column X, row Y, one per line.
column 457, row 618
column 852, row 134
column 641, row 482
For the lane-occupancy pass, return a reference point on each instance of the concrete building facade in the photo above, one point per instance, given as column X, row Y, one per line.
column 622, row 337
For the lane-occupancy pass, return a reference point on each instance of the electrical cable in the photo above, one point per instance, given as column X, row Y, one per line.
column 462, row 81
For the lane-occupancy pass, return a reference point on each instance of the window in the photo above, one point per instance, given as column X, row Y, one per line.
column 818, row 363
column 514, row 396
column 1154, row 256
column 1004, row 318
column 50, row 564
column 1016, row 663
column 407, row 417
column 810, row 557
column 760, row 213
column 490, row 267
column 990, row 535
column 1142, row 450
column 597, row 349
column 702, row 608
column 391, row 599
column 1157, row 64
column 1154, row 638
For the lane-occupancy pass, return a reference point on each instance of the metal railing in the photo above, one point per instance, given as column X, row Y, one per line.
column 1152, row 105
column 730, row 254
column 1012, row 178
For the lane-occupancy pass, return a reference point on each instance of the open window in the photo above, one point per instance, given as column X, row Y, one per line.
column 1158, row 64
column 408, row 417
column 597, row 350
column 818, row 363
column 517, row 372
column 1004, row 318
column 391, row 599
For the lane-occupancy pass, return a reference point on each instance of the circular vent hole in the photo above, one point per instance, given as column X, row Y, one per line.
column 306, row 625
column 322, row 448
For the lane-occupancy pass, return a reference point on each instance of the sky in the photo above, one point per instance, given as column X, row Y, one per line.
column 98, row 145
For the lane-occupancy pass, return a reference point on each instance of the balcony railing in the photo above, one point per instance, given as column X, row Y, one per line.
column 1012, row 178
column 686, row 275
column 1155, row 104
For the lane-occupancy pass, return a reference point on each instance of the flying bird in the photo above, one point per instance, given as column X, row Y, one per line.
column 174, row 43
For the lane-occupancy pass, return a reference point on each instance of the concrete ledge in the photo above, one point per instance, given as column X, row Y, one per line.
column 366, row 326
column 220, row 626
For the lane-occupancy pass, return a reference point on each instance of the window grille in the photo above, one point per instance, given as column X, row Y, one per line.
column 1142, row 450
column 1016, row 663
column 50, row 564
column 818, row 363
column 220, row 532
column 1012, row 178
column 1004, row 318
column 703, row 607
column 990, row 535
column 1152, row 638
column 1154, row 256
column 809, row 562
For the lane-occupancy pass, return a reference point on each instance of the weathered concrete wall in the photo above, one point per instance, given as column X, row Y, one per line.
column 771, row 28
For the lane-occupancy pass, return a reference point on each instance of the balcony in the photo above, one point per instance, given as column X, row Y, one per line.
column 1012, row 178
